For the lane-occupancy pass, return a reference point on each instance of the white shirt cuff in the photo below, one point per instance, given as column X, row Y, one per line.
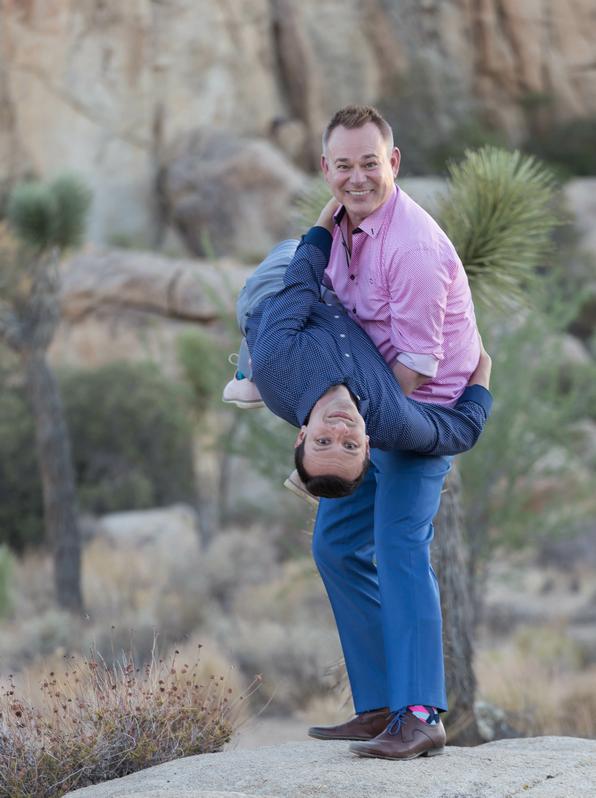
column 422, row 364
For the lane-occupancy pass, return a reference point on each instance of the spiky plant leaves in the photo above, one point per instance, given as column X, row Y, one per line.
column 31, row 213
column 72, row 200
column 310, row 203
column 499, row 214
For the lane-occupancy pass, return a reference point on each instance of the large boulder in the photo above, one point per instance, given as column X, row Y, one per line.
column 127, row 305
column 229, row 195
column 541, row 767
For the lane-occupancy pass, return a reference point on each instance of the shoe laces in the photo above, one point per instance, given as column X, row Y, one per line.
column 233, row 359
column 397, row 721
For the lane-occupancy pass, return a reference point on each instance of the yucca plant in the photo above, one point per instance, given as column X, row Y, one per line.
column 498, row 212
column 43, row 220
column 310, row 203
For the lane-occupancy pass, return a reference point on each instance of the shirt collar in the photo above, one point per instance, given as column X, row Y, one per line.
column 374, row 223
column 306, row 403
column 377, row 220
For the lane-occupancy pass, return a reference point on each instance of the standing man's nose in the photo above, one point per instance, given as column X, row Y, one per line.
column 357, row 176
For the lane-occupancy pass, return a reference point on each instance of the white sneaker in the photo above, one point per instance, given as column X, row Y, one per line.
column 242, row 393
column 294, row 484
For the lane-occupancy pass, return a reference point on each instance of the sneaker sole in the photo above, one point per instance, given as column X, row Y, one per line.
column 244, row 404
column 302, row 494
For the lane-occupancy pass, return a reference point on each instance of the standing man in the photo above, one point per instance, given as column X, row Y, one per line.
column 399, row 277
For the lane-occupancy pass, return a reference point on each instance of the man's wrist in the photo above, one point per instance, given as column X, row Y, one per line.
column 320, row 238
column 478, row 394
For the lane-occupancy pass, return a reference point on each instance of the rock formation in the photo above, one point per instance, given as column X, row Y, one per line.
column 540, row 767
column 104, row 87
column 225, row 194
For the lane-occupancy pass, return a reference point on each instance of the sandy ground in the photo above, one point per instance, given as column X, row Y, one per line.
column 261, row 732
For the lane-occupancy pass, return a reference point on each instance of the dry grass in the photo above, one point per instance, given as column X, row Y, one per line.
column 537, row 679
column 98, row 722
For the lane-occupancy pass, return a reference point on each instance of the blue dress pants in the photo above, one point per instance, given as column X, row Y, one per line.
column 372, row 550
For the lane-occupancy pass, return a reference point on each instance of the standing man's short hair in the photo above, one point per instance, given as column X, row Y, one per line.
column 354, row 116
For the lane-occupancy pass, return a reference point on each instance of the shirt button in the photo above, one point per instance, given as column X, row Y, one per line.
column 353, row 310
column 352, row 277
column 342, row 335
column 336, row 317
column 347, row 355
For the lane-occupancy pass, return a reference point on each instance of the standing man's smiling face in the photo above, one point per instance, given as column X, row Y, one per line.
column 360, row 167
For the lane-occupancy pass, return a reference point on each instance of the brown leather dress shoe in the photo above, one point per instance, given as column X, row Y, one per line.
column 364, row 726
column 406, row 737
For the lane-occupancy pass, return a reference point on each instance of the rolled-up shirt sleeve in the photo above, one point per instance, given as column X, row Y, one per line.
column 418, row 285
column 428, row 365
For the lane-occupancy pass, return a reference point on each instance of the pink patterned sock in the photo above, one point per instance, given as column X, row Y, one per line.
column 427, row 714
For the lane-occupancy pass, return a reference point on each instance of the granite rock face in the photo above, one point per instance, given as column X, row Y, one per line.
column 226, row 194
column 104, row 88
column 126, row 305
column 540, row 767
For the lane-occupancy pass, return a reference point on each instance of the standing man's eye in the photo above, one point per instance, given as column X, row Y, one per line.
column 322, row 441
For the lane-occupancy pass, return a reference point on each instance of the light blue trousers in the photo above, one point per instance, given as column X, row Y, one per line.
column 266, row 280
column 372, row 550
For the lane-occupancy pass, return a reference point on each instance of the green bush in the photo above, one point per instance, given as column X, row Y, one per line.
column 21, row 503
column 131, row 436
column 531, row 438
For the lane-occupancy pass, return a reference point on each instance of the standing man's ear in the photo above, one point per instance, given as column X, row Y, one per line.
column 394, row 160
column 300, row 437
column 324, row 166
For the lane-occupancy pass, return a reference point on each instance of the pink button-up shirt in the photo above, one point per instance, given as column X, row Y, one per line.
column 405, row 285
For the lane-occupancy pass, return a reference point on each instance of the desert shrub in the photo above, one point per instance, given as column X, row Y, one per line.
column 21, row 503
column 235, row 559
column 102, row 722
column 536, row 680
column 294, row 662
column 43, row 635
column 281, row 628
column 204, row 360
column 132, row 447
column 263, row 441
column 524, row 482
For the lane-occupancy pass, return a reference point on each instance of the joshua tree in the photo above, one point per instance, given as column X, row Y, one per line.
column 42, row 221
column 498, row 212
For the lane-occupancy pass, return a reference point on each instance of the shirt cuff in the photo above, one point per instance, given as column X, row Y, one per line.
column 320, row 238
column 422, row 364
column 478, row 394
